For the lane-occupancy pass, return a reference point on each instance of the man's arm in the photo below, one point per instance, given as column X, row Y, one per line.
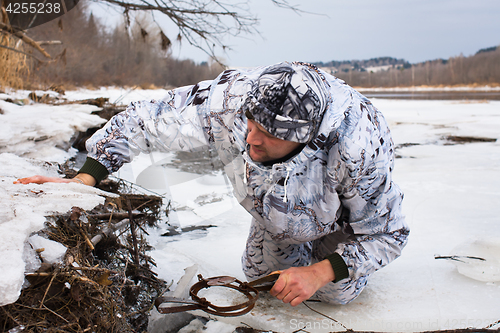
column 91, row 173
column 370, row 198
column 175, row 124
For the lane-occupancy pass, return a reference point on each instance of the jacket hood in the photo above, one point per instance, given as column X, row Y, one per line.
column 288, row 100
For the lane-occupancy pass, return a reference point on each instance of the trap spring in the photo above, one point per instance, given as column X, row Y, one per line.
column 199, row 303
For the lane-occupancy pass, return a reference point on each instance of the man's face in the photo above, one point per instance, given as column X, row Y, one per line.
column 265, row 147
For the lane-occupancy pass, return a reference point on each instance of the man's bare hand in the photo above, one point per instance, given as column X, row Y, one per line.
column 81, row 178
column 297, row 284
column 42, row 179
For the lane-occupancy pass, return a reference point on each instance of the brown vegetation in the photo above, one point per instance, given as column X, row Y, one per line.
column 13, row 62
column 89, row 55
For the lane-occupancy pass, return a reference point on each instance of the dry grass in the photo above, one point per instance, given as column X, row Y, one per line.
column 14, row 66
column 472, row 101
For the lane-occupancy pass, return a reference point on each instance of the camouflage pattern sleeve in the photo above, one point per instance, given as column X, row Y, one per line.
column 371, row 201
column 175, row 123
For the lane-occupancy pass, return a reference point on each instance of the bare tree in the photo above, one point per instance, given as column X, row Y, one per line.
column 201, row 23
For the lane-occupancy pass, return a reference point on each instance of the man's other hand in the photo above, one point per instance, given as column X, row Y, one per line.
column 297, row 284
column 81, row 178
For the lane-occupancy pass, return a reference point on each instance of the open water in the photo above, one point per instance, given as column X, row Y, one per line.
column 434, row 95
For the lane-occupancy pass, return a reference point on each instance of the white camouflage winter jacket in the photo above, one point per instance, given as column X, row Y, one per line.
column 340, row 182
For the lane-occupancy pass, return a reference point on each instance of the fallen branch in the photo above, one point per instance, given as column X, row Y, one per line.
column 94, row 269
column 117, row 216
column 108, row 230
column 49, row 42
column 133, row 233
column 19, row 34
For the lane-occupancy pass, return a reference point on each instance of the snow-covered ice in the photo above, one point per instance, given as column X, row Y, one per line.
column 23, row 212
column 116, row 95
column 451, row 201
column 24, row 127
column 51, row 252
column 32, row 138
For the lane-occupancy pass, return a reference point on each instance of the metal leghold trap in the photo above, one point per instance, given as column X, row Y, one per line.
column 249, row 289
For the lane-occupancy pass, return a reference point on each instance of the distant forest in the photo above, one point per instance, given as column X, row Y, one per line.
column 138, row 54
column 482, row 68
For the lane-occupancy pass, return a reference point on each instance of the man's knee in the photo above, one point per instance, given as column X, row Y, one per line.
column 341, row 292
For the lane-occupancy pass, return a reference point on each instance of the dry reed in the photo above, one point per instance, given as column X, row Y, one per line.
column 14, row 63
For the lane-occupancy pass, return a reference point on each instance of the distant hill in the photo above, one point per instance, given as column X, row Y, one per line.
column 373, row 65
column 488, row 49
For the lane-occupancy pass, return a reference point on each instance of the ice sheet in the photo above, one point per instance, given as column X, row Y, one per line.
column 451, row 199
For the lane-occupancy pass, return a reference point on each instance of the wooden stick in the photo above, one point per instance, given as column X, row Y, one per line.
column 47, row 290
column 132, row 231
column 108, row 230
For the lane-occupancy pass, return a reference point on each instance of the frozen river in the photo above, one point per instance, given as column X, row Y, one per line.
column 448, row 168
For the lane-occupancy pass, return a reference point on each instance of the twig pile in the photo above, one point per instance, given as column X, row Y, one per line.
column 105, row 283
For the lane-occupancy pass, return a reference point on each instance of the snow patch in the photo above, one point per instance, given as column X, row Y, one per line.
column 50, row 251
column 43, row 131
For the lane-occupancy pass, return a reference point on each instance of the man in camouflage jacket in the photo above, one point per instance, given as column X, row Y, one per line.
column 309, row 157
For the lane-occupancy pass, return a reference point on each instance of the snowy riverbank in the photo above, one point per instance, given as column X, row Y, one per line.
column 451, row 190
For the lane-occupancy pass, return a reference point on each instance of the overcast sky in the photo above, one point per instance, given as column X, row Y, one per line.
column 415, row 30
